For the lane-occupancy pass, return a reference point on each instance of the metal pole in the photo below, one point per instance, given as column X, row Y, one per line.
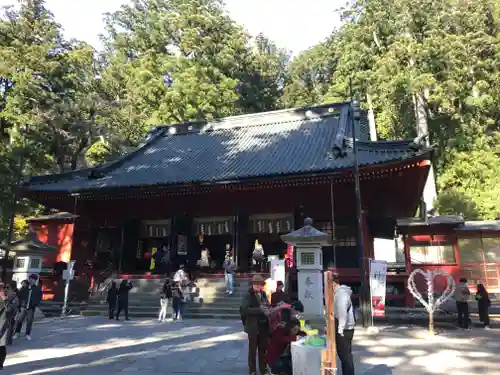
column 363, row 295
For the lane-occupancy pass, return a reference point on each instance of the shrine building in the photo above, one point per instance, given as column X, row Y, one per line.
column 236, row 181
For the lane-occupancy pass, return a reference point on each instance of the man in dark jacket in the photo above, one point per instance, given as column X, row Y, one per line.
column 31, row 297
column 254, row 314
column 123, row 290
column 111, row 299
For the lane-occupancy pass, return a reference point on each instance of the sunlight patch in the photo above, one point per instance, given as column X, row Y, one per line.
column 388, row 361
column 442, row 362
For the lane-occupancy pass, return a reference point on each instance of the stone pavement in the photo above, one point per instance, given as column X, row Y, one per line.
column 93, row 345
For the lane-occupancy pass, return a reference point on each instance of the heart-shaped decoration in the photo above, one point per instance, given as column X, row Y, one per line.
column 431, row 304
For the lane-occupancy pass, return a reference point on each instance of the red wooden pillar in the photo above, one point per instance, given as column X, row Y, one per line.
column 409, row 301
column 367, row 240
column 368, row 251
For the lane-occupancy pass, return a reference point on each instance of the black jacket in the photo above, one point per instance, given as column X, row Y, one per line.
column 167, row 290
column 177, row 294
column 253, row 318
column 123, row 291
column 112, row 294
column 30, row 297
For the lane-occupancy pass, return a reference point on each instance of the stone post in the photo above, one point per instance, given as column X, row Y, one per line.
column 308, row 243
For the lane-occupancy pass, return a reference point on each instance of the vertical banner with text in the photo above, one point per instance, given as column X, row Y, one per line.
column 378, row 278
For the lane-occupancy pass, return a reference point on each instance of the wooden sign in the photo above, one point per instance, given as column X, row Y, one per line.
column 213, row 227
column 271, row 225
column 329, row 356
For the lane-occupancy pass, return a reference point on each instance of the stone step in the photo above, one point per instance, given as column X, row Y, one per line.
column 149, row 314
column 150, row 311
column 207, row 296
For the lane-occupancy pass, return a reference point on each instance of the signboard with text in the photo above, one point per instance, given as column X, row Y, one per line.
column 378, row 279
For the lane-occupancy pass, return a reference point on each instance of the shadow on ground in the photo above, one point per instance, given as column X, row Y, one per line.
column 82, row 346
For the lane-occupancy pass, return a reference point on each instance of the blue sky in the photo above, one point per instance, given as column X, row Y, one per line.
column 294, row 24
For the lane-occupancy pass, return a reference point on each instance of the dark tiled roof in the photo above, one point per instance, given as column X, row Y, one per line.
column 489, row 225
column 434, row 220
column 57, row 216
column 270, row 144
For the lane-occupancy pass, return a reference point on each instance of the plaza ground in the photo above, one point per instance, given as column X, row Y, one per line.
column 93, row 345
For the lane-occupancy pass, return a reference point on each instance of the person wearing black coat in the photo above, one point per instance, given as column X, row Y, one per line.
column 483, row 305
column 111, row 299
column 9, row 303
column 30, row 299
column 123, row 290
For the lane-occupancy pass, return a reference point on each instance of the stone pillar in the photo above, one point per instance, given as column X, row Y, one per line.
column 308, row 243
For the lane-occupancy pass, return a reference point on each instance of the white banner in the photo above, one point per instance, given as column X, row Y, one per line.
column 378, row 279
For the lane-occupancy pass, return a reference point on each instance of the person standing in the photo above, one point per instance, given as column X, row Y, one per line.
column 167, row 261
column 30, row 299
column 280, row 295
column 8, row 309
column 13, row 300
column 180, row 276
column 177, row 301
column 258, row 257
column 123, row 291
column 254, row 312
column 344, row 325
column 111, row 299
column 483, row 305
column 462, row 295
column 229, row 270
column 159, row 266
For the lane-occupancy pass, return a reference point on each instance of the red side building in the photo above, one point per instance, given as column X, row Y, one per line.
column 235, row 181
column 469, row 249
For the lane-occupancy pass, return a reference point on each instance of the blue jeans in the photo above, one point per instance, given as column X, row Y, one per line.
column 178, row 308
column 229, row 277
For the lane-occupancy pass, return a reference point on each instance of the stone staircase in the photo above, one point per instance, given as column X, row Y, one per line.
column 207, row 299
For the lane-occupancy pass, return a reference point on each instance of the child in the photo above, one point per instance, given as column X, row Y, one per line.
column 163, row 308
column 177, row 301
column 483, row 304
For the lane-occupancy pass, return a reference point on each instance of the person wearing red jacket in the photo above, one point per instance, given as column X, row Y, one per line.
column 278, row 357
